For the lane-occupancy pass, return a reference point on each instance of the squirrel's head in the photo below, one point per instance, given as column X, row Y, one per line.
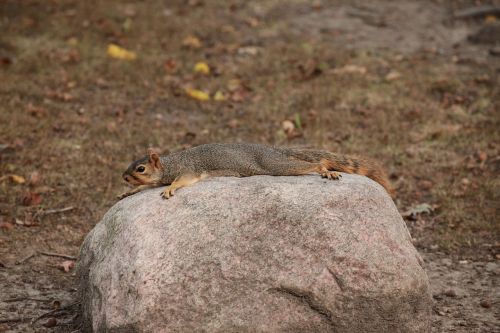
column 145, row 171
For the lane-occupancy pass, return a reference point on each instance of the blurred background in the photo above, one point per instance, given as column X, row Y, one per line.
column 87, row 86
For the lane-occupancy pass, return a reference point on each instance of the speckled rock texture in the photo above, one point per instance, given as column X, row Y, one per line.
column 257, row 254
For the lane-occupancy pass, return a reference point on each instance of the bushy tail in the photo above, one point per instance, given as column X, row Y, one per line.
column 343, row 163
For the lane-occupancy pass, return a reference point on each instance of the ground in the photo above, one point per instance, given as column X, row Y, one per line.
column 403, row 82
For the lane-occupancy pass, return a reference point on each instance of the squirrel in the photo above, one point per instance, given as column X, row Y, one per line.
column 184, row 168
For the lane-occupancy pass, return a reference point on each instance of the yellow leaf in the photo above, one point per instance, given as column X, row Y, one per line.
column 201, row 67
column 73, row 41
column 18, row 179
column 118, row 52
column 191, row 42
column 220, row 96
column 490, row 19
column 198, row 94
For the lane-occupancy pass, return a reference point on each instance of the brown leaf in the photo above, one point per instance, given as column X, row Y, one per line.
column 309, row 69
column 36, row 112
column 170, row 66
column 192, row 42
column 34, row 178
column 6, row 226
column 67, row 265
column 51, row 322
column 31, row 199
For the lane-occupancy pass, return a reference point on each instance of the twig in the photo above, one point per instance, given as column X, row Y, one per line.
column 56, row 312
column 55, row 211
column 22, row 261
column 64, row 256
column 12, row 320
column 19, row 299
column 477, row 11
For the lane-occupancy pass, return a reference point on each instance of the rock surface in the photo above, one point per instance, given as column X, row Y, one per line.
column 257, row 254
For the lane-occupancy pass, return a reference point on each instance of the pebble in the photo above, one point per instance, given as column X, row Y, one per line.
column 450, row 293
column 486, row 303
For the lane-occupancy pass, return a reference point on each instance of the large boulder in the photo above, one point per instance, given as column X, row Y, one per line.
column 257, row 254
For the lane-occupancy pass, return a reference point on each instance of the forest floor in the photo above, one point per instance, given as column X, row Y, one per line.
column 404, row 82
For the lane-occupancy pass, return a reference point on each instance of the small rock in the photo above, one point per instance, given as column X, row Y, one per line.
column 485, row 303
column 450, row 293
column 51, row 322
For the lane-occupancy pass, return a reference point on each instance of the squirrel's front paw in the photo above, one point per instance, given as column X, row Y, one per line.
column 167, row 192
column 123, row 195
column 332, row 175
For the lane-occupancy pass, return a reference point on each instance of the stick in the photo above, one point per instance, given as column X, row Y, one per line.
column 22, row 261
column 477, row 11
column 11, row 320
column 19, row 299
column 64, row 256
column 60, row 210
column 55, row 312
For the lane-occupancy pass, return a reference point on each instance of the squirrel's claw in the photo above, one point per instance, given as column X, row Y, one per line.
column 167, row 192
column 123, row 195
column 332, row 175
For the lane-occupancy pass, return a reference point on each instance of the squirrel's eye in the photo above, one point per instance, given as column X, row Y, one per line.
column 140, row 169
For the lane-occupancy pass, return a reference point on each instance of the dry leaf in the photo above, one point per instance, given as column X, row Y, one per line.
column 18, row 179
column 202, row 68
column 31, row 199
column 67, row 265
column 198, row 94
column 392, row 76
column 34, row 178
column 51, row 322
column 288, row 126
column 6, row 225
column 350, row 69
column 117, row 52
column 220, row 96
column 170, row 66
column 191, row 42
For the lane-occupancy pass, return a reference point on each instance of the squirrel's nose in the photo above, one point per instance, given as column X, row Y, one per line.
column 125, row 177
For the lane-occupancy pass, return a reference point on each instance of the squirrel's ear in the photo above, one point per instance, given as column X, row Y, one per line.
column 154, row 158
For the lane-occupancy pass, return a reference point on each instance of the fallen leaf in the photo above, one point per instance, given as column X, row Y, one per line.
column 298, row 121
column 423, row 208
column 34, row 178
column 192, row 42
column 170, row 66
column 56, row 304
column 29, row 221
column 248, row 50
column 197, row 94
column 392, row 76
column 6, row 225
column 36, row 112
column 18, row 179
column 73, row 41
column 51, row 322
column 350, row 69
column 118, row 52
column 67, row 265
column 220, row 96
column 202, row 68
column 287, row 126
column 31, row 199
column 309, row 69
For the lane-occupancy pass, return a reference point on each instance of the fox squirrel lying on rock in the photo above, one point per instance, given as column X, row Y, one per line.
column 187, row 167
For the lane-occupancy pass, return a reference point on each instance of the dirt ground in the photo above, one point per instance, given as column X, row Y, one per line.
column 410, row 83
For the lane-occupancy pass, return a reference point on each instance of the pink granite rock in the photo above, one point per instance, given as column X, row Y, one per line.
column 257, row 254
